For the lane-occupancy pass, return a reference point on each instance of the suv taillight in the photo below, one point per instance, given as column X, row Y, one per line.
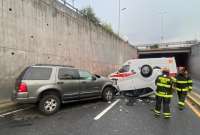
column 22, row 87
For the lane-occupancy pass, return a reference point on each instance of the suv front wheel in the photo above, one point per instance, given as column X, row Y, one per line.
column 108, row 94
column 49, row 104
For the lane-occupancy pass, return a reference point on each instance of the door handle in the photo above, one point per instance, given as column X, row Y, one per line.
column 60, row 82
column 83, row 82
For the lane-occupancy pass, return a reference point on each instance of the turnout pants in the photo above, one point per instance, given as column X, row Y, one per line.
column 166, row 106
column 181, row 96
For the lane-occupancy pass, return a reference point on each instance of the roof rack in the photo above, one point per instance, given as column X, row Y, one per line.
column 54, row 65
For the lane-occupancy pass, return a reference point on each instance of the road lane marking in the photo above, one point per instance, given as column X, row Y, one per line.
column 15, row 111
column 106, row 110
column 193, row 108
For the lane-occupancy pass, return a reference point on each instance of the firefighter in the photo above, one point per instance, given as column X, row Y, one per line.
column 163, row 94
column 183, row 85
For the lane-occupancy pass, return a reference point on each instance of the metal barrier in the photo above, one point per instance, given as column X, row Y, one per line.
column 68, row 5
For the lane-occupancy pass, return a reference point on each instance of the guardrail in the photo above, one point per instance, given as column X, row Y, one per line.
column 79, row 12
column 168, row 44
column 68, row 5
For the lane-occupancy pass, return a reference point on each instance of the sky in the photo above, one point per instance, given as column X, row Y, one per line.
column 141, row 22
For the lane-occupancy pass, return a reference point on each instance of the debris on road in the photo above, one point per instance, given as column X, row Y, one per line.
column 109, row 102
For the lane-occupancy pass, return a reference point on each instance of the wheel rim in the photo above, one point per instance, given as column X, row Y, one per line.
column 50, row 105
column 109, row 95
column 145, row 70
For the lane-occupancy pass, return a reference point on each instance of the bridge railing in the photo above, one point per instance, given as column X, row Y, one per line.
column 169, row 45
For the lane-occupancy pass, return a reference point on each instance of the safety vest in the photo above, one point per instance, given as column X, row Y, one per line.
column 182, row 83
column 164, row 87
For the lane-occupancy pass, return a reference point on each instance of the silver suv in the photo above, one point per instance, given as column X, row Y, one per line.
column 51, row 85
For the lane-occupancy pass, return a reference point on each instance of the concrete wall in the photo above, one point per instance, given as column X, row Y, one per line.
column 194, row 62
column 45, row 31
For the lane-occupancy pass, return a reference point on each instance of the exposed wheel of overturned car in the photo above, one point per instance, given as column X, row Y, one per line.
column 146, row 70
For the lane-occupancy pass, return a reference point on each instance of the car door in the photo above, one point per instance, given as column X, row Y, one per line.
column 68, row 80
column 126, row 77
column 89, row 85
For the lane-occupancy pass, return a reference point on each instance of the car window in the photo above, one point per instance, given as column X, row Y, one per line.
column 37, row 73
column 125, row 68
column 21, row 76
column 67, row 74
column 132, row 70
column 85, row 75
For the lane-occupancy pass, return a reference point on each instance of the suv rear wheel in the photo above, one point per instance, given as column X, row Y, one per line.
column 108, row 94
column 49, row 104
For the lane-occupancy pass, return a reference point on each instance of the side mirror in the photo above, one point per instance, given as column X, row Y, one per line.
column 133, row 71
column 97, row 76
column 94, row 78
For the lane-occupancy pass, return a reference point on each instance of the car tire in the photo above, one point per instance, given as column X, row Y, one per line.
column 108, row 94
column 146, row 71
column 49, row 104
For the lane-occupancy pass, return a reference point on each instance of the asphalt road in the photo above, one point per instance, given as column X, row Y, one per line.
column 78, row 119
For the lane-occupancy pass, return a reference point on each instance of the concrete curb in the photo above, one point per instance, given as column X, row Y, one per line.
column 195, row 98
column 6, row 105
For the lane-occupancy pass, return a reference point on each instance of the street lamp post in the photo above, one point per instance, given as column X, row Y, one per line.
column 73, row 3
column 162, row 26
column 119, row 16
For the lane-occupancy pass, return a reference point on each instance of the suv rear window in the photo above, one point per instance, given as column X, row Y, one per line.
column 37, row 73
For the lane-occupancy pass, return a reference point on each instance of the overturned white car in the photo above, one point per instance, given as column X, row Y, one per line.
column 137, row 76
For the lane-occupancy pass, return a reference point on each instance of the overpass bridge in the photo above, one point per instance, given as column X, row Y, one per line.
column 180, row 50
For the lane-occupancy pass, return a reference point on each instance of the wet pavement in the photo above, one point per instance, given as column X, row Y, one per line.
column 78, row 119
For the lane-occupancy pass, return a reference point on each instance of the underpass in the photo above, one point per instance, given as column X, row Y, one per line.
column 181, row 51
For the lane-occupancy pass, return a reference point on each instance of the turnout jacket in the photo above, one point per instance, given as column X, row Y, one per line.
column 182, row 83
column 164, row 86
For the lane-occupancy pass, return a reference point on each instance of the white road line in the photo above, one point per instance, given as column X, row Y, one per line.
column 106, row 110
column 19, row 110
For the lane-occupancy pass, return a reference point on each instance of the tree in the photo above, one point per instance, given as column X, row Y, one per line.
column 88, row 11
column 107, row 27
column 154, row 46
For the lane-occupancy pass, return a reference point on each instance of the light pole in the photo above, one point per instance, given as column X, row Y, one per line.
column 119, row 16
column 73, row 3
column 162, row 26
